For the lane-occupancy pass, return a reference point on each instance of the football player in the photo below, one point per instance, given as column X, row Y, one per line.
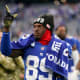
column 45, row 57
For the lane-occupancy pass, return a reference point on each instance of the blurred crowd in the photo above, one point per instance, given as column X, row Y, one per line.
column 67, row 14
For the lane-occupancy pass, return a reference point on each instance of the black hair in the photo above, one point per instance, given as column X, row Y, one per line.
column 62, row 25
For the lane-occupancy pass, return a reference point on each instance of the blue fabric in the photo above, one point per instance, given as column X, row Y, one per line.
column 77, row 45
column 5, row 44
column 56, row 48
column 70, row 49
column 33, row 58
column 71, row 63
column 72, row 42
column 20, row 44
column 57, row 60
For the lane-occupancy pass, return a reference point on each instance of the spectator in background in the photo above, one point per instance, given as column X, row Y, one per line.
column 61, row 32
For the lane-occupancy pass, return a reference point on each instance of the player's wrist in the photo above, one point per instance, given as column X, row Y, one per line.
column 6, row 29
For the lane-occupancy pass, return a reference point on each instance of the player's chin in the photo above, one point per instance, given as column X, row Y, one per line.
column 37, row 37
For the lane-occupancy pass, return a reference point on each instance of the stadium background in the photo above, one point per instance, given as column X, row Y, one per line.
column 64, row 11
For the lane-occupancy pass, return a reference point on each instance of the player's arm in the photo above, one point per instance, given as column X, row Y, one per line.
column 7, row 48
column 5, row 41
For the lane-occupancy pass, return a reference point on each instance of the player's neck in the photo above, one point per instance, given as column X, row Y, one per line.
column 46, row 37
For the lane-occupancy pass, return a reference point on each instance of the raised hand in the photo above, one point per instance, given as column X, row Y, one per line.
column 9, row 17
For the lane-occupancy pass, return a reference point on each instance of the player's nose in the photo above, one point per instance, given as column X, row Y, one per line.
column 36, row 29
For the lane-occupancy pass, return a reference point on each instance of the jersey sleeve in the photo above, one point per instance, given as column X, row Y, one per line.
column 20, row 43
column 7, row 45
column 58, row 62
column 23, row 42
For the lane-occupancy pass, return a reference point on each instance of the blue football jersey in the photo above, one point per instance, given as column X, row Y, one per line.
column 70, row 40
column 36, row 55
column 34, row 61
column 77, row 44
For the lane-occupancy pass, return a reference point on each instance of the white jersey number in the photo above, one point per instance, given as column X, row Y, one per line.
column 34, row 70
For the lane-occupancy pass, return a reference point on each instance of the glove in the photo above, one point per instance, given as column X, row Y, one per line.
column 9, row 17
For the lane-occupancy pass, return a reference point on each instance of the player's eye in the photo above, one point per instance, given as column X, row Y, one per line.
column 39, row 26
